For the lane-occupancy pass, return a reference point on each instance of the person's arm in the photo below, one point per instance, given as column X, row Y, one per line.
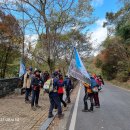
column 33, row 82
column 70, row 83
column 25, row 81
column 102, row 81
column 64, row 83
column 86, row 85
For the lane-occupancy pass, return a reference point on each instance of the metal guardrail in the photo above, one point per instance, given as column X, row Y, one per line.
column 8, row 86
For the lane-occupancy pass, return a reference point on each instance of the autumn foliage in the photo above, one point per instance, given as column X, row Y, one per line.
column 10, row 42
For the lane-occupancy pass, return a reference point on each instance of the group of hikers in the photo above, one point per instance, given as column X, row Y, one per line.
column 91, row 92
column 54, row 84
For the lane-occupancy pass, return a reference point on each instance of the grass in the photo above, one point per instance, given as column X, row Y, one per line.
column 125, row 85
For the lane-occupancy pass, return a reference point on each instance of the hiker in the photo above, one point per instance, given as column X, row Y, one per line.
column 46, row 73
column 36, row 84
column 60, row 84
column 88, row 95
column 27, row 84
column 95, row 87
column 98, row 82
column 101, row 81
column 68, row 87
column 51, row 87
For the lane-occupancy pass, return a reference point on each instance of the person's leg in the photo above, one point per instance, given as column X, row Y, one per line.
column 68, row 96
column 85, row 103
column 97, row 98
column 51, row 106
column 30, row 90
column 55, row 106
column 37, row 98
column 27, row 94
column 91, row 101
column 58, row 103
column 61, row 99
column 33, row 99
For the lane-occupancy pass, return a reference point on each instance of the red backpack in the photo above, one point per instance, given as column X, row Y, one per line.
column 60, row 88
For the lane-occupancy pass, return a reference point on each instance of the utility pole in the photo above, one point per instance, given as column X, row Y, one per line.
column 23, row 29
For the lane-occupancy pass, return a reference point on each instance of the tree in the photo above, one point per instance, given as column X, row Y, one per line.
column 62, row 49
column 116, row 46
column 52, row 18
column 10, row 41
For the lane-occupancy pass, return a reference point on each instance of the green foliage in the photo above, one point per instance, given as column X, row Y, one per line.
column 124, row 32
column 122, row 76
column 10, row 39
column 114, row 59
column 61, row 49
column 116, row 53
column 109, row 71
column 98, row 63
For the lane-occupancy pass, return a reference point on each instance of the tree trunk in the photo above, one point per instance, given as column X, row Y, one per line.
column 5, row 62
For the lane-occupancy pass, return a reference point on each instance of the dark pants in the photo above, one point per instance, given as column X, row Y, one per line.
column 35, row 97
column 30, row 91
column 68, row 95
column 61, row 99
column 86, row 97
column 54, row 99
column 27, row 92
column 96, row 99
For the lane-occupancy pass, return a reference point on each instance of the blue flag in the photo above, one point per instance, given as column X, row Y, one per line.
column 80, row 65
column 22, row 70
column 77, row 69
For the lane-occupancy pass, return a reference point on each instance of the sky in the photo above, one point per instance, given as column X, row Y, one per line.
column 99, row 33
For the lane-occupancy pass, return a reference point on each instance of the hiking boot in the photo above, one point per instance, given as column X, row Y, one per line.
column 27, row 101
column 85, row 110
column 50, row 115
column 33, row 108
column 69, row 102
column 91, row 108
column 98, row 106
column 65, row 105
column 60, row 116
column 38, row 106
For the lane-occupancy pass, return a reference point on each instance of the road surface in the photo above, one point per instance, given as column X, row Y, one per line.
column 114, row 113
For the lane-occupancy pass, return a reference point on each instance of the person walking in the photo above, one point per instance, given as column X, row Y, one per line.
column 51, row 87
column 60, row 85
column 27, row 84
column 95, row 86
column 88, row 95
column 68, row 87
column 36, row 84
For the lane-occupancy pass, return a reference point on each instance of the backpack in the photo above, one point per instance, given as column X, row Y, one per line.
column 48, row 86
column 60, row 86
column 94, row 85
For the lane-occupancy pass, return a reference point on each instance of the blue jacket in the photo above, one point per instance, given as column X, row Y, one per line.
column 67, row 83
column 93, row 83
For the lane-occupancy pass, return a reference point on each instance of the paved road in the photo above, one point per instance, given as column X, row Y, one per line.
column 114, row 113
